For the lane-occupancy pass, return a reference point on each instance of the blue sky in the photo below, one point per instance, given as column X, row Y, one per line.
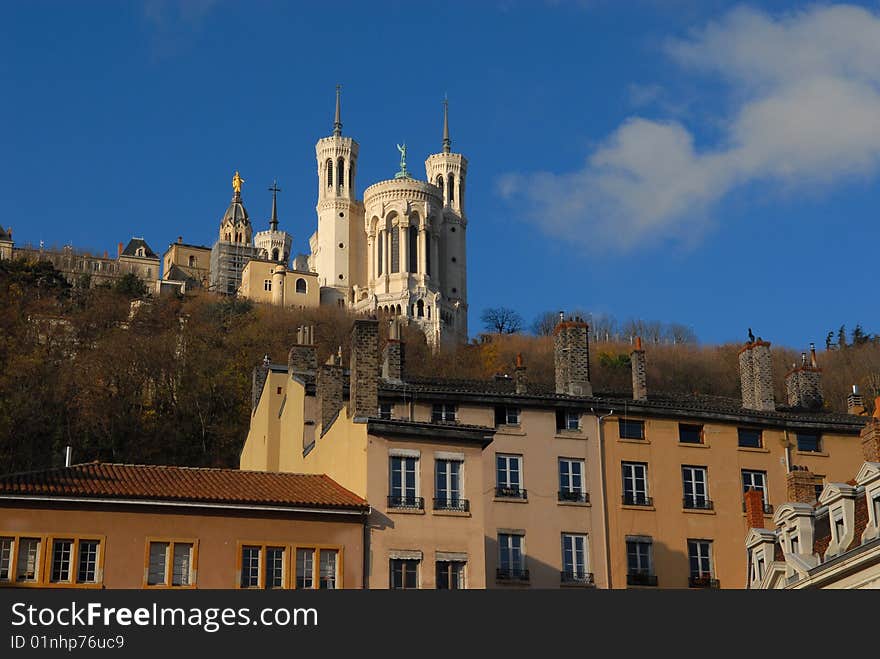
column 708, row 163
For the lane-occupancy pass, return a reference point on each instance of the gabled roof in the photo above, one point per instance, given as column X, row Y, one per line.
column 134, row 244
column 159, row 483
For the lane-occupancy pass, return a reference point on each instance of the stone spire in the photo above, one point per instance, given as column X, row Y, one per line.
column 337, row 122
column 273, row 219
column 447, row 143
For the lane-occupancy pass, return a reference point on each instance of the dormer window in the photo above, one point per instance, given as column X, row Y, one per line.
column 839, row 525
column 875, row 504
column 795, row 544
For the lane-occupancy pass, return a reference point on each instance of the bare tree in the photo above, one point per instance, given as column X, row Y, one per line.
column 501, row 320
column 545, row 323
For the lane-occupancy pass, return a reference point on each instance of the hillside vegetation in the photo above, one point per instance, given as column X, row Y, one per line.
column 169, row 380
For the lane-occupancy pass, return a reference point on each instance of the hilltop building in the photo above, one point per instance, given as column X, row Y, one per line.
column 510, row 483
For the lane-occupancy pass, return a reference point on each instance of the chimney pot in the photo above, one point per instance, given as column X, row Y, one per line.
column 522, row 384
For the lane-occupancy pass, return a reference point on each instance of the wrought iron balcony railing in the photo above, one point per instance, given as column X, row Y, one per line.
column 582, row 578
column 407, row 502
column 510, row 492
column 576, row 497
column 452, row 503
column 511, row 574
column 768, row 508
column 702, row 581
column 698, row 503
column 633, row 499
column 641, row 579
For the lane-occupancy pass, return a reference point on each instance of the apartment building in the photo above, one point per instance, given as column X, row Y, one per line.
column 101, row 525
column 569, row 488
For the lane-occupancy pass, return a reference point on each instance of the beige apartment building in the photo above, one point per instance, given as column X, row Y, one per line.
column 271, row 282
column 576, row 488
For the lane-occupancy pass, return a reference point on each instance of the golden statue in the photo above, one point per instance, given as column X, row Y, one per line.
column 236, row 183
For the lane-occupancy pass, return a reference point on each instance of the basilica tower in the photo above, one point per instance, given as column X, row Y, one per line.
column 448, row 172
column 337, row 245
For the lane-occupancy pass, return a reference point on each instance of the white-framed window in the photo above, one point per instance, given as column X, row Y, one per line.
column 450, row 575
column 794, row 540
column 404, row 482
column 328, row 566
column 250, row 566
column 305, row 568
column 839, row 525
column 639, row 557
column 694, row 486
column 568, row 420
column 170, row 563
column 27, row 568
column 443, row 413
column 62, row 560
column 404, row 573
column 505, row 415
column 509, row 477
column 575, row 558
column 758, row 565
column 700, row 559
column 755, row 480
column 571, row 479
column 385, row 411
column 875, row 503
column 511, row 556
column 635, row 484
column 448, row 484
column 275, row 557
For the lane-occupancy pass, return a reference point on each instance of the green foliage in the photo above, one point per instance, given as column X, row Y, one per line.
column 131, row 286
column 614, row 361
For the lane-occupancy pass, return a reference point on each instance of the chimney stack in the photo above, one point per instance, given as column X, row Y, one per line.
column 393, row 354
column 754, row 508
column 180, row 239
column 855, row 404
column 260, row 375
column 119, row 249
column 801, row 485
column 302, row 358
column 522, row 383
column 756, row 376
column 639, row 371
column 871, row 435
column 803, row 384
column 363, row 398
column 328, row 386
column 571, row 356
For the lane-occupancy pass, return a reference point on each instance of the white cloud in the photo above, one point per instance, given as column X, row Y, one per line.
column 805, row 110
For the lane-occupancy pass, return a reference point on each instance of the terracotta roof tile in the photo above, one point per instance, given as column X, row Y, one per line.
column 190, row 484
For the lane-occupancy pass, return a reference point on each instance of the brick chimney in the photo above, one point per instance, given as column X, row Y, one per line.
column 755, row 509
column 756, row 376
column 119, row 248
column 803, row 384
column 260, row 375
column 871, row 435
column 363, row 398
column 302, row 357
column 522, row 382
column 393, row 354
column 800, row 485
column 639, row 371
column 855, row 404
column 571, row 356
column 328, row 386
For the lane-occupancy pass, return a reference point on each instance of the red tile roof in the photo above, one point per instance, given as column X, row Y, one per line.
column 184, row 484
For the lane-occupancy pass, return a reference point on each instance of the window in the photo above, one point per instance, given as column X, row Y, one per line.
column 507, row 416
column 404, row 573
column 192, row 261
column 300, row 285
column 385, row 411
column 795, row 543
column 27, row 568
column 6, row 547
column 700, row 559
column 443, row 413
column 630, row 429
column 749, row 437
column 694, row 484
column 508, row 469
column 62, row 560
column 759, row 566
column 305, row 568
column 571, row 480
column 170, row 563
column 640, row 562
column 839, row 527
column 809, row 442
column 511, row 561
column 635, row 484
column 412, row 246
column 690, row 434
column 395, row 250
column 267, row 284
column 404, row 485
column 575, row 560
column 450, row 575
column 756, row 480
column 875, row 502
column 262, row 566
column 328, row 574
column 447, row 491
column 87, row 561
column 568, row 420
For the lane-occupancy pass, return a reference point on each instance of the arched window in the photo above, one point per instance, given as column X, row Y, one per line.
column 340, row 176
column 329, row 173
column 440, row 184
column 350, row 178
column 275, row 254
column 395, row 249
column 192, row 261
column 420, row 309
column 380, row 249
column 451, row 188
column 427, row 253
column 398, row 309
column 413, row 246
column 300, row 285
